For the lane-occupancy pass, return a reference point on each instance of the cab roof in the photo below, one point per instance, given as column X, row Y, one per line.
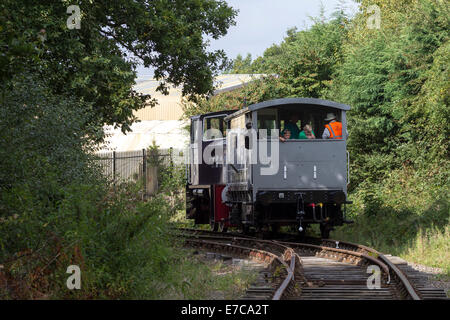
column 291, row 101
column 209, row 114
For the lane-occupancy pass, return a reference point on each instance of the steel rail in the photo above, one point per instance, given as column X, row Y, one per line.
column 252, row 253
column 411, row 291
column 378, row 258
column 215, row 233
column 403, row 279
column 339, row 252
column 290, row 278
column 334, row 248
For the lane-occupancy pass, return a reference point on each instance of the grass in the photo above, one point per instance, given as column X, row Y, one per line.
column 405, row 215
column 198, row 278
column 203, row 278
column 431, row 249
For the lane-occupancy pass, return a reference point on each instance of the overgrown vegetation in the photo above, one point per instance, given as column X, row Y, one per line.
column 396, row 79
column 199, row 278
column 58, row 87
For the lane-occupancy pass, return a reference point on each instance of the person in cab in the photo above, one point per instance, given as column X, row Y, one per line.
column 333, row 129
column 307, row 133
column 291, row 125
column 286, row 135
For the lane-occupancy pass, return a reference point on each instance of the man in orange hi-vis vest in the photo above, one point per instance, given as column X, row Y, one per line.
column 333, row 130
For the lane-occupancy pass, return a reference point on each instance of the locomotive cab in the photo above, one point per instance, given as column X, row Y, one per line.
column 205, row 172
column 301, row 181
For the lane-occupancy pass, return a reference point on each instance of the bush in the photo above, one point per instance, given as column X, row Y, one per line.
column 171, row 177
column 57, row 210
column 397, row 215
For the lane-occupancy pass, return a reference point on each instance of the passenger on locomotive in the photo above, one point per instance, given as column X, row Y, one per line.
column 307, row 133
column 333, row 130
column 291, row 125
column 286, row 135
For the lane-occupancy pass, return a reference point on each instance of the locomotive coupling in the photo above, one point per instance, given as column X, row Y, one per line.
column 300, row 206
column 300, row 210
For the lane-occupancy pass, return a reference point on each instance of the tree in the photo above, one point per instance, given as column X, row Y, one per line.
column 241, row 65
column 306, row 60
column 97, row 62
column 393, row 78
column 302, row 65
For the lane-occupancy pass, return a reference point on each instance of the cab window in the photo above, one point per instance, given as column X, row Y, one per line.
column 216, row 123
column 267, row 119
column 194, row 130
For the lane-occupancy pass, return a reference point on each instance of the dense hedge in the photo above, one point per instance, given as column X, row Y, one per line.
column 56, row 209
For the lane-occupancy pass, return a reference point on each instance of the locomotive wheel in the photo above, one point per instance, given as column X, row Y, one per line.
column 214, row 226
column 222, row 227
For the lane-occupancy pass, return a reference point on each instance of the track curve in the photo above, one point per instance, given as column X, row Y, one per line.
column 318, row 269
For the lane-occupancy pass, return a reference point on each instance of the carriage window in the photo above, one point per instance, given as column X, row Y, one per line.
column 194, row 130
column 318, row 121
column 267, row 119
column 216, row 123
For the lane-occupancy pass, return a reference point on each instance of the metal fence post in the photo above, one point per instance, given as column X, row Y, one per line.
column 171, row 161
column 144, row 171
column 114, row 167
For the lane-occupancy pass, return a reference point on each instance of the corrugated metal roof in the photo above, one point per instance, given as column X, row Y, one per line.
column 169, row 106
column 165, row 133
column 148, row 86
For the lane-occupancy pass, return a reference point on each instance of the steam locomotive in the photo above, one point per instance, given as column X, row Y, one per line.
column 241, row 175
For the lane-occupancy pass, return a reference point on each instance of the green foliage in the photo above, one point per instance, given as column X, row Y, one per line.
column 386, row 77
column 55, row 209
column 305, row 61
column 302, row 65
column 396, row 80
column 171, row 178
column 58, row 88
column 408, row 211
column 119, row 243
column 309, row 58
column 97, row 62
column 191, row 277
column 243, row 66
column 38, row 131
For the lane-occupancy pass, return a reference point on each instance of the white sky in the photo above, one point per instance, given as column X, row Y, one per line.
column 261, row 23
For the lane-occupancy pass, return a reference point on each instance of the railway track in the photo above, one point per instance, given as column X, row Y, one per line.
column 314, row 268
